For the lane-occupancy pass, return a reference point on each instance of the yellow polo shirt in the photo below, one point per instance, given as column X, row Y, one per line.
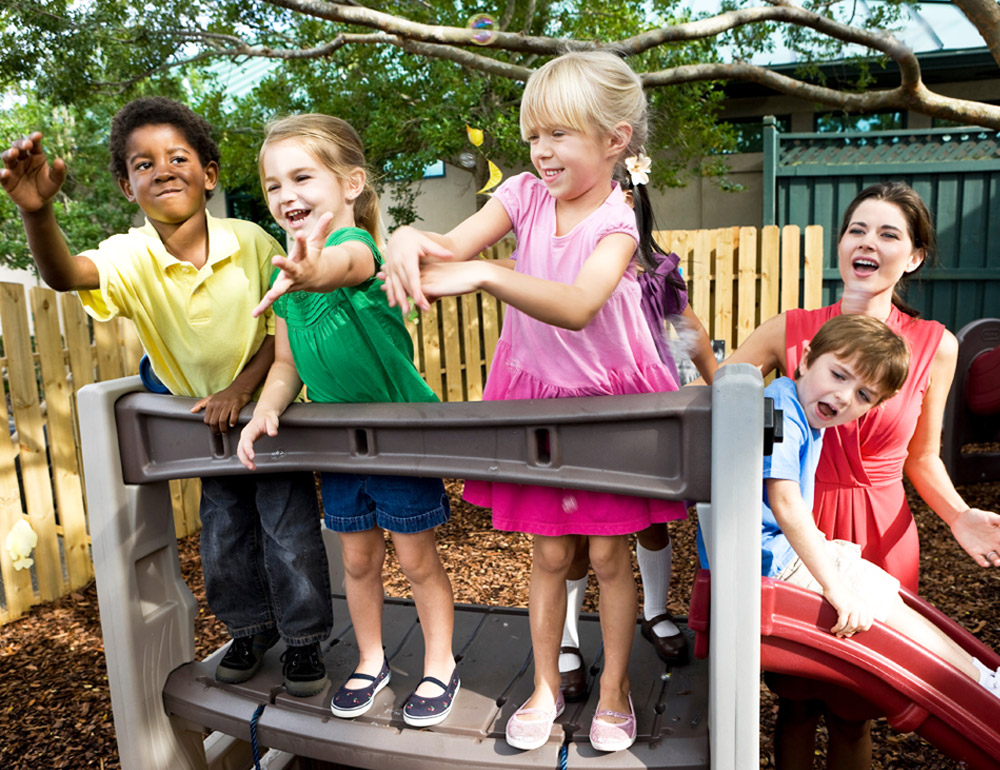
column 195, row 325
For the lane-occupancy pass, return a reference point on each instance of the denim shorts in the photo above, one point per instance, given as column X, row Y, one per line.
column 403, row 504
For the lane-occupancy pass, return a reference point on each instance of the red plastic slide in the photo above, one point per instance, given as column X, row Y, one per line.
column 913, row 688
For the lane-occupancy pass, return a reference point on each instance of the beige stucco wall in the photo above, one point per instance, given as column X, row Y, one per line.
column 444, row 202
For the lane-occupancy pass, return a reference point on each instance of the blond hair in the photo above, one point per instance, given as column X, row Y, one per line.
column 879, row 356
column 588, row 91
column 337, row 146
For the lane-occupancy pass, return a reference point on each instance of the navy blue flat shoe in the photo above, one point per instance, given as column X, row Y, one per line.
column 348, row 704
column 424, row 712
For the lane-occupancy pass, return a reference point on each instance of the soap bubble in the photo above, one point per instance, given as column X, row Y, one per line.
column 483, row 27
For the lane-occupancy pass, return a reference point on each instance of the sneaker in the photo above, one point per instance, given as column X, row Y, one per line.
column 303, row 670
column 244, row 656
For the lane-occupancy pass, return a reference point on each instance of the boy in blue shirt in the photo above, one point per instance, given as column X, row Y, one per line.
column 189, row 282
column 851, row 365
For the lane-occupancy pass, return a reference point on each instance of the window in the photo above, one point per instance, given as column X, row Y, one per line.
column 842, row 122
column 749, row 132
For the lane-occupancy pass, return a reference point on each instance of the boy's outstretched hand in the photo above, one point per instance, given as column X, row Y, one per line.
column 26, row 175
column 300, row 269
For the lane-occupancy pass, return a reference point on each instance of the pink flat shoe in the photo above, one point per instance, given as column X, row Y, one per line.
column 533, row 732
column 612, row 736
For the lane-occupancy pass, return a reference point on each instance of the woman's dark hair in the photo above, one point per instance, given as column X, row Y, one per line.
column 919, row 223
column 158, row 110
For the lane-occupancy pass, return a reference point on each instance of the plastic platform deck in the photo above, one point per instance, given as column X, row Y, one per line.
column 494, row 657
column 699, row 443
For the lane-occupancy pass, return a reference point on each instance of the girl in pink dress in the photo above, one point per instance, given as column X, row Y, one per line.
column 574, row 327
column 886, row 234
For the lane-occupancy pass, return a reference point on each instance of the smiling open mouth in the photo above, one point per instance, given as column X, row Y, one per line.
column 864, row 265
column 826, row 410
column 297, row 216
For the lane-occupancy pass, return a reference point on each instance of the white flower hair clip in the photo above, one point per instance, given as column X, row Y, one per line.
column 638, row 168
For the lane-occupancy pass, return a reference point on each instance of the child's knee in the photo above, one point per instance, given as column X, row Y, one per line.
column 553, row 554
column 360, row 564
column 610, row 558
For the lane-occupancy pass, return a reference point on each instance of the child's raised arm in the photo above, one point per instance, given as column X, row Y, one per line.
column 312, row 266
column 569, row 306
column 408, row 249
column 32, row 183
column 796, row 522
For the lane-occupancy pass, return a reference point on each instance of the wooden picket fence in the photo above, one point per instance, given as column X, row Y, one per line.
column 737, row 278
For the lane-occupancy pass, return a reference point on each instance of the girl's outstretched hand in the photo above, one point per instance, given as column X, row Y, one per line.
column 408, row 249
column 300, row 270
column 450, row 279
column 257, row 427
column 26, row 175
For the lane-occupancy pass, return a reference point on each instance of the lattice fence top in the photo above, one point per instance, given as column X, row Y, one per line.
column 904, row 147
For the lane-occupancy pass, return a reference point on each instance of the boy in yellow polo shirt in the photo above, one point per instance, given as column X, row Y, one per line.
column 188, row 282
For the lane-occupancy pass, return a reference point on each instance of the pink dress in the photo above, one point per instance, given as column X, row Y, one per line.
column 859, row 481
column 613, row 355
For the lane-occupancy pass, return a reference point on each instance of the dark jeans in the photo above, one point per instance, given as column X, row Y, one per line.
column 263, row 557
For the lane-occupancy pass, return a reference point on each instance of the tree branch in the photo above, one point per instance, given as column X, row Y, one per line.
column 985, row 16
column 918, row 98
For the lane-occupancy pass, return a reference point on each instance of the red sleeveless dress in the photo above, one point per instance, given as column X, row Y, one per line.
column 859, row 481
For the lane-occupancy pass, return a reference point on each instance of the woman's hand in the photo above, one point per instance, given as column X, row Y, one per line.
column 978, row 532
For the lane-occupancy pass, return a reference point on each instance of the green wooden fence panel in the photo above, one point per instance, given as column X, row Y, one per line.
column 957, row 173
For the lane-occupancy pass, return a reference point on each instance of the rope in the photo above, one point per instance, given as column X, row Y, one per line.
column 563, row 756
column 253, row 735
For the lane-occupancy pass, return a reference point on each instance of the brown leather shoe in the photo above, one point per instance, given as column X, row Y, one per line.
column 672, row 650
column 573, row 684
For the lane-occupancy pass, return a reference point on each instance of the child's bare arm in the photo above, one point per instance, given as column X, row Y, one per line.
column 408, row 249
column 809, row 544
column 280, row 389
column 568, row 306
column 32, row 184
column 222, row 409
column 313, row 266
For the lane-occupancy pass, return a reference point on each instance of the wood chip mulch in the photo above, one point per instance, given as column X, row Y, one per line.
column 55, row 709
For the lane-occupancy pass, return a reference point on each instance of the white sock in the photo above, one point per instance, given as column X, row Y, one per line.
column 655, row 567
column 984, row 673
column 575, row 591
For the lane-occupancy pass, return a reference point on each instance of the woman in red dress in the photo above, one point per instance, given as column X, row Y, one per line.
column 886, row 235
